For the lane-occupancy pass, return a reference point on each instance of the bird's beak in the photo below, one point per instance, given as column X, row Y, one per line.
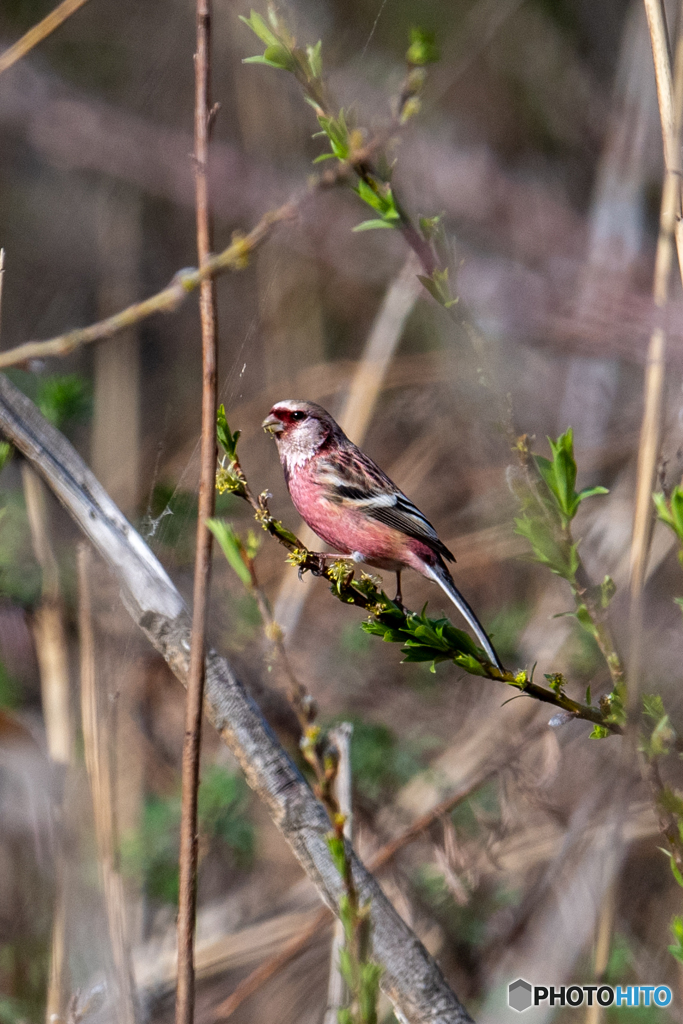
column 272, row 425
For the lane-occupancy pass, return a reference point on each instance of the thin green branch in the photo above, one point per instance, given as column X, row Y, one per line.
column 423, row 639
column 371, row 166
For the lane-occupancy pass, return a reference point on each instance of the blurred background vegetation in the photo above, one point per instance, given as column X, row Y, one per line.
column 539, row 143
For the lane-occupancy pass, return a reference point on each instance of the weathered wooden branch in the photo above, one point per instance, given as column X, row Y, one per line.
column 411, row 978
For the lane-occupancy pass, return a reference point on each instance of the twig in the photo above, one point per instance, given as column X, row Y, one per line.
column 667, row 819
column 96, row 747
column 235, row 257
column 411, row 978
column 187, row 898
column 39, row 32
column 671, row 111
column 365, row 593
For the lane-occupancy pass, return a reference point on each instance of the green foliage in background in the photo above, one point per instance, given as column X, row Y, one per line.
column 548, row 499
column 548, row 507
column 64, row 398
column 10, row 690
column 150, row 854
column 20, row 576
column 380, row 762
column 23, row 980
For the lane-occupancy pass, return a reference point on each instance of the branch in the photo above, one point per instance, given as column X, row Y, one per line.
column 411, row 978
column 425, row 639
column 39, row 32
column 235, row 257
column 273, row 965
column 187, row 879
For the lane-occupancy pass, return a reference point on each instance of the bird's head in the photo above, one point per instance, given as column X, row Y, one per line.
column 299, row 428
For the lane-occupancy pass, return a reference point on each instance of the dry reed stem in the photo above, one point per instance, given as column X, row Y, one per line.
column 340, row 738
column 49, row 630
column 97, row 761
column 39, row 32
column 54, row 1002
column 187, row 893
column 670, row 99
column 603, row 947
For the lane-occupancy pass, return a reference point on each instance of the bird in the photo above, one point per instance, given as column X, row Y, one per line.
column 352, row 505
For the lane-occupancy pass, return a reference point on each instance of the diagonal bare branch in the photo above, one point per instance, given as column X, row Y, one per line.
column 39, row 32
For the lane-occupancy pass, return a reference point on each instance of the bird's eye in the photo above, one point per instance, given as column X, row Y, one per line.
column 298, row 416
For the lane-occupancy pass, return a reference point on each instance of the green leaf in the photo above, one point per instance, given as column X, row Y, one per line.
column 232, row 548
column 653, row 706
column 335, row 845
column 663, row 511
column 600, row 732
column 676, row 928
column 5, row 454
column 588, row 696
column 380, row 198
column 228, row 441
column 589, row 492
column 370, row 974
column 674, row 867
column 370, row 225
column 422, row 49
column 608, row 589
column 430, row 226
column 315, row 60
column 669, row 800
column 258, row 26
column 677, row 509
column 562, row 558
column 419, row 653
column 327, row 156
column 585, row 619
column 277, row 56
column 439, row 287
column 564, row 468
column 470, row 664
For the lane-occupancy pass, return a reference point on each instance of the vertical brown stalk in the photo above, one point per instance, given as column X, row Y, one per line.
column 195, row 684
column 670, row 96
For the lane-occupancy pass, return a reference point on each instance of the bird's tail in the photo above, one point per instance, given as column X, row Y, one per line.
column 440, row 574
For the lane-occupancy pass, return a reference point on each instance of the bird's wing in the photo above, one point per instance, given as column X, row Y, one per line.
column 351, row 478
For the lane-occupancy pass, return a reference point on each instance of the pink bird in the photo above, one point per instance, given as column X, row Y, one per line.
column 354, row 507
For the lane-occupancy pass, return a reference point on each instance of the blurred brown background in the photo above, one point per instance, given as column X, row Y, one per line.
column 539, row 142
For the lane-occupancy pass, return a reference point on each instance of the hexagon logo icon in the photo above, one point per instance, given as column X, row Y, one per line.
column 519, row 995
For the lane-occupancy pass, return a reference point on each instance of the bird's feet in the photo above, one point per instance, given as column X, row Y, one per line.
column 398, row 600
